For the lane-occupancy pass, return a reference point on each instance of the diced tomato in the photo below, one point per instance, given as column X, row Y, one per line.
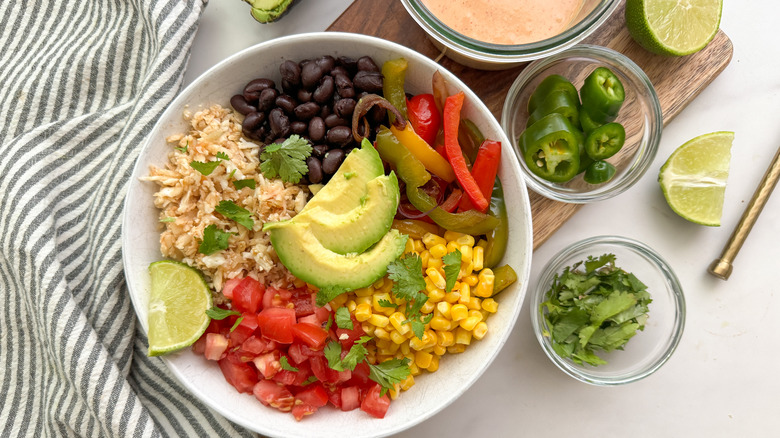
column 309, row 319
column 303, row 300
column 216, row 344
column 309, row 400
column 313, row 336
column 294, row 378
column 375, row 404
column 276, row 297
column 254, row 345
column 268, row 364
column 326, row 374
column 227, row 289
column 350, row 398
column 285, row 377
column 243, row 331
column 199, row 347
column 360, row 375
column 299, row 353
column 276, row 323
column 272, row 394
column 248, row 295
column 334, row 396
column 239, row 374
column 348, row 337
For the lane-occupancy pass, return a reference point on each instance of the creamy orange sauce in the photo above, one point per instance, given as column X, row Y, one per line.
column 506, row 21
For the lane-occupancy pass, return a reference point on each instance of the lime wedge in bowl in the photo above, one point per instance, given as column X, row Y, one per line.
column 693, row 179
column 178, row 301
column 673, row 27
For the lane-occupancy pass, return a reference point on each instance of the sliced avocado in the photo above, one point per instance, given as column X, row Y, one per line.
column 266, row 11
column 358, row 229
column 303, row 254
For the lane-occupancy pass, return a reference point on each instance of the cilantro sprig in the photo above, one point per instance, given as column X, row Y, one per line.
column 219, row 313
column 452, row 262
column 408, row 284
column 286, row 160
column 386, row 374
column 208, row 167
column 230, row 210
column 214, row 240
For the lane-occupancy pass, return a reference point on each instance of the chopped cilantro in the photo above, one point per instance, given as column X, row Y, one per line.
column 327, row 294
column 309, row 381
column 598, row 308
column 168, row 219
column 286, row 160
column 232, row 211
column 219, row 313
column 236, row 324
column 214, row 240
column 389, row 372
column 452, row 262
column 348, row 175
column 232, row 173
column 329, row 323
column 418, row 324
column 356, row 354
column 408, row 284
column 386, row 374
column 208, row 167
column 286, row 365
column 343, row 320
column 385, row 303
column 184, row 149
column 223, row 156
column 241, row 183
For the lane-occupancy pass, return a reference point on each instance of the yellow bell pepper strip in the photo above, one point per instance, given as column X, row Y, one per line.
column 394, row 72
column 451, row 119
column 434, row 162
column 362, row 108
column 409, row 169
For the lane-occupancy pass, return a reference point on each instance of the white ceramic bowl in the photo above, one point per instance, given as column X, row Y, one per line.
column 140, row 244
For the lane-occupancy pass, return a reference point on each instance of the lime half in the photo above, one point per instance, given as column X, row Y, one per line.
column 178, row 302
column 673, row 27
column 693, row 179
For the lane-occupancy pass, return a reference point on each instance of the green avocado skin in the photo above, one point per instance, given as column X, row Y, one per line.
column 266, row 11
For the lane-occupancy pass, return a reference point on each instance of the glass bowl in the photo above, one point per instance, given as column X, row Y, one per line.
column 640, row 115
column 488, row 56
column 650, row 348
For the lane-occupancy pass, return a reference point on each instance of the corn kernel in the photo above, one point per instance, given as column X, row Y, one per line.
column 458, row 312
column 405, row 349
column 423, row 359
column 416, row 343
column 338, row 301
column 465, row 240
column 394, row 391
column 440, row 323
column 382, row 344
column 474, row 303
column 407, row 383
column 409, row 246
column 490, row 305
column 430, row 240
column 361, row 300
column 457, row 348
column 452, row 247
column 444, row 308
column 436, row 277
column 438, row 251
column 427, row 307
column 397, row 338
column 377, row 297
column 445, row 339
column 480, row 330
column 414, row 369
column 381, row 333
column 435, row 262
column 482, row 243
column 476, row 314
column 351, row 305
column 424, row 257
column 379, row 283
column 436, row 295
column 471, row 280
column 462, row 336
column 450, row 236
column 465, row 270
column 364, row 291
column 368, row 328
column 387, row 286
column 434, row 365
column 478, row 258
column 466, row 253
column 363, row 312
column 379, row 320
column 439, row 350
column 452, row 297
column 485, row 286
column 484, row 313
column 397, row 320
column 465, row 293
column 470, row 322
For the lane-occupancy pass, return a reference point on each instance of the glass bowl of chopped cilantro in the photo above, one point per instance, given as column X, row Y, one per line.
column 608, row 310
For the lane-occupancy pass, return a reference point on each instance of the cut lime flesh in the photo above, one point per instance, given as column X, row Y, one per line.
column 673, row 27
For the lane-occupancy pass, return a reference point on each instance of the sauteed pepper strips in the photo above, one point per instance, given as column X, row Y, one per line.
column 484, row 170
column 451, row 117
column 394, row 72
column 551, row 148
column 432, row 160
column 425, row 117
column 498, row 237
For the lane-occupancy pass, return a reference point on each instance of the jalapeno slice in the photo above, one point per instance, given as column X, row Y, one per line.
column 602, row 95
column 586, row 122
column 549, row 85
column 605, row 141
column 599, row 172
column 559, row 102
column 551, row 148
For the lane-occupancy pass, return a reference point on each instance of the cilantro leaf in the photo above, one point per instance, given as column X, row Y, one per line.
column 214, row 240
column 248, row 182
column 286, row 160
column 332, row 353
column 327, row 294
column 205, row 168
column 418, row 325
column 237, row 323
column 389, row 372
column 309, row 381
column 230, row 210
column 223, row 156
column 286, row 365
column 452, row 262
column 329, row 323
column 407, row 275
column 184, row 149
column 357, row 353
column 386, row 303
column 343, row 320
column 219, row 313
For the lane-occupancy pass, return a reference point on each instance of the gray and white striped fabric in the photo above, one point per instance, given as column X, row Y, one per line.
column 81, row 83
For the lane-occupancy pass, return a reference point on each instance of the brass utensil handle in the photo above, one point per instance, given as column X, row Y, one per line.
column 722, row 267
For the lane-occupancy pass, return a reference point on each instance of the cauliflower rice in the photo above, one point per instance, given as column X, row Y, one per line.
column 187, row 199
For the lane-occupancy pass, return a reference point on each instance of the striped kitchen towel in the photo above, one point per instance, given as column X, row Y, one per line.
column 81, row 84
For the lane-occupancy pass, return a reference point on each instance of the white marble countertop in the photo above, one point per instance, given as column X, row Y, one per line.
column 722, row 381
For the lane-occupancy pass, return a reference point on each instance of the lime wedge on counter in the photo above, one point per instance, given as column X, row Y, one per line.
column 178, row 302
column 673, row 27
column 693, row 179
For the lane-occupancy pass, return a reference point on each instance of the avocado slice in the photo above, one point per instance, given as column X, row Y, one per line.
column 306, row 258
column 266, row 11
column 358, row 229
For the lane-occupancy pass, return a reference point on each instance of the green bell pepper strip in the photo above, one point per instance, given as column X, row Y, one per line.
column 602, row 95
column 605, row 141
column 470, row 138
column 414, row 175
column 549, row 85
column 557, row 102
column 497, row 238
column 551, row 148
column 599, row 172
column 504, row 276
column 394, row 72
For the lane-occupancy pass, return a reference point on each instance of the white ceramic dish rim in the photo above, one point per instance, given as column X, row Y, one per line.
column 182, row 365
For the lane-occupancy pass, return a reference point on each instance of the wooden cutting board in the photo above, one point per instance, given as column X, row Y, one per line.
column 677, row 80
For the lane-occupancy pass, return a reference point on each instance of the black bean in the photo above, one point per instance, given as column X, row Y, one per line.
column 339, row 70
column 250, row 134
column 311, row 73
column 267, row 99
column 369, row 81
column 366, row 63
column 287, row 103
column 306, row 111
column 319, row 150
column 239, row 103
column 324, row 91
column 253, row 120
column 298, row 127
column 315, row 170
column 304, row 95
column 344, row 108
column 253, row 89
column 280, row 123
column 344, row 85
column 333, row 120
column 288, row 88
column 291, row 72
column 332, row 160
column 326, row 63
column 316, row 128
column 349, row 64
column 326, row 111
column 339, row 136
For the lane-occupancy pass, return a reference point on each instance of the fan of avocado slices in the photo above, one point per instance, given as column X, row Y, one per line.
column 266, row 11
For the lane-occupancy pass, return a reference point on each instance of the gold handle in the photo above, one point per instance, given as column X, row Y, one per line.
column 722, row 267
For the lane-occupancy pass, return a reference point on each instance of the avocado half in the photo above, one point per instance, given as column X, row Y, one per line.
column 266, row 11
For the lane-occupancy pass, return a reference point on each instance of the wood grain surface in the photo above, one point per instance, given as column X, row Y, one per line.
column 677, row 80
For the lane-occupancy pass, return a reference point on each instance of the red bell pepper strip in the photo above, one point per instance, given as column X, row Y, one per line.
column 425, row 117
column 484, row 170
column 452, row 201
column 452, row 107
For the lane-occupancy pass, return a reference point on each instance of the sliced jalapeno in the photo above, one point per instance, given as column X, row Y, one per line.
column 586, row 122
column 551, row 148
column 549, row 85
column 605, row 141
column 559, row 102
column 599, row 172
column 602, row 95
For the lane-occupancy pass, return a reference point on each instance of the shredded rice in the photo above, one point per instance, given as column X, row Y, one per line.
column 187, row 199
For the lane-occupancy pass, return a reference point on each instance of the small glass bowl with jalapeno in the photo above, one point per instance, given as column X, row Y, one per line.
column 584, row 124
